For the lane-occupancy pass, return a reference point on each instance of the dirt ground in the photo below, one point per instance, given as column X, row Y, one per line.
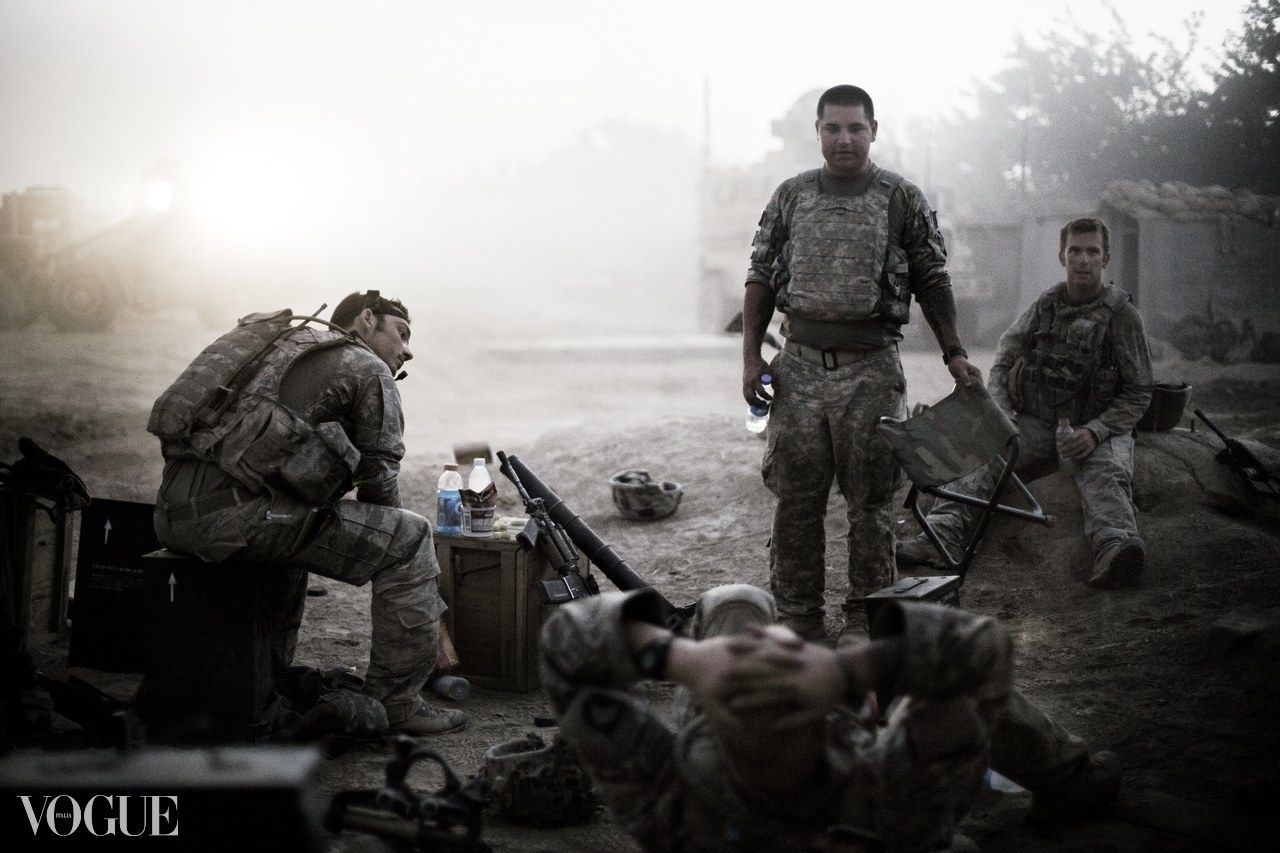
column 1178, row 675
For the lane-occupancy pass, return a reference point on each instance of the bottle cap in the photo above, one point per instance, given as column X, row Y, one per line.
column 766, row 379
column 477, row 461
column 759, row 411
column 451, row 466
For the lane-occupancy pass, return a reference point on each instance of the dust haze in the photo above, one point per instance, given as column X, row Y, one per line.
column 538, row 162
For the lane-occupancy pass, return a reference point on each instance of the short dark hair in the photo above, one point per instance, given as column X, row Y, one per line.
column 847, row 96
column 1085, row 225
column 353, row 303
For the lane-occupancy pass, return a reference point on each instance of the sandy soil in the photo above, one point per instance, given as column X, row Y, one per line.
column 1177, row 675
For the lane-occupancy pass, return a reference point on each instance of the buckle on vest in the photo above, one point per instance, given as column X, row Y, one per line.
column 829, row 355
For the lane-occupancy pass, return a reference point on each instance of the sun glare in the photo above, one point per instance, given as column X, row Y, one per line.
column 265, row 188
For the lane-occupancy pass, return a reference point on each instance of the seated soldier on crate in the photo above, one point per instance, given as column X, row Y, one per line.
column 262, row 435
column 767, row 753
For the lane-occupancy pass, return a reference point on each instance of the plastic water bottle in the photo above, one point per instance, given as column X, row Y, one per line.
column 478, row 480
column 758, row 414
column 453, row 687
column 449, row 501
column 1060, row 435
column 477, row 521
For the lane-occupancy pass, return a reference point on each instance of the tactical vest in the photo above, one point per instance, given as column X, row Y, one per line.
column 1071, row 369
column 838, row 258
column 225, row 409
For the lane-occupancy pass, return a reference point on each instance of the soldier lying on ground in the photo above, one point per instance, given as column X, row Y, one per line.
column 768, row 753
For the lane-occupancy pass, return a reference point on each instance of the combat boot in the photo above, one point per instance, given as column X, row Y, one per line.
column 854, row 630
column 429, row 720
column 809, row 627
column 1094, row 787
column 918, row 551
column 1120, row 565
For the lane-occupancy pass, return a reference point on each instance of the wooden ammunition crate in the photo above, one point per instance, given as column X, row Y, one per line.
column 35, row 567
column 496, row 609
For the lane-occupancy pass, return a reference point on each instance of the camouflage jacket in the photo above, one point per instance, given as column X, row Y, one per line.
column 320, row 409
column 1100, row 346
column 910, row 235
column 353, row 387
column 670, row 787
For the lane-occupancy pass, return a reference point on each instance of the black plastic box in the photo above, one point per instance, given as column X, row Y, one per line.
column 942, row 589
column 208, row 672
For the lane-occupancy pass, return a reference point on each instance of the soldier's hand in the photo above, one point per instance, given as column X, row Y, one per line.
column 964, row 372
column 1081, row 443
column 753, row 390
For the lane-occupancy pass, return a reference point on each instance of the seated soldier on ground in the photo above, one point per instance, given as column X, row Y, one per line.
column 767, row 753
column 1078, row 356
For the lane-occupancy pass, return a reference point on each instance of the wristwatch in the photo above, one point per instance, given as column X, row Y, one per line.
column 952, row 352
column 651, row 658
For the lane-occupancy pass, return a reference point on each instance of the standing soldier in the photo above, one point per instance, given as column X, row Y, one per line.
column 840, row 251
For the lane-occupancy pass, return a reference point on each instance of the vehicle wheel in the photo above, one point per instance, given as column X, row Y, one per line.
column 19, row 300
column 83, row 300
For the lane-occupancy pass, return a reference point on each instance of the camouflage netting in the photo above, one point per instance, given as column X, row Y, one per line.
column 1184, row 202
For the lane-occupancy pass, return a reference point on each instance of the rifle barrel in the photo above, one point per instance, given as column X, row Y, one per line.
column 1209, row 424
column 596, row 550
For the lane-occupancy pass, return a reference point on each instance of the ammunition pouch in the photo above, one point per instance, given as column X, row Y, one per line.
column 322, row 465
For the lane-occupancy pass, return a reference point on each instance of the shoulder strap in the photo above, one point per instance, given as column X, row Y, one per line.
column 223, row 396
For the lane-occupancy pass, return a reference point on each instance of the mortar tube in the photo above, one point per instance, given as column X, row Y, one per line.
column 595, row 549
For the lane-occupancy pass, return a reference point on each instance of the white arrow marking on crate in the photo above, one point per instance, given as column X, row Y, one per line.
column 172, row 583
column 106, row 531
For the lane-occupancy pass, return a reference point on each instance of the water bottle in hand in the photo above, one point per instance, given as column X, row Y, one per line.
column 1060, row 435
column 758, row 414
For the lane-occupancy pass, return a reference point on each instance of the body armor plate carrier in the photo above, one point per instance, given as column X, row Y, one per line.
column 838, row 259
column 1071, row 367
column 225, row 409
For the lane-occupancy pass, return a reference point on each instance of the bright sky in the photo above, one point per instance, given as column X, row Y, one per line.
column 372, row 93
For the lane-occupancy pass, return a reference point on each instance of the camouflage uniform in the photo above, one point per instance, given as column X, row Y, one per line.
column 900, row 787
column 203, row 510
column 876, row 244
column 1089, row 363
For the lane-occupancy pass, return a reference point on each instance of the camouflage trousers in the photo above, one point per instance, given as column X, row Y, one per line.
column 822, row 428
column 350, row 541
column 1105, row 480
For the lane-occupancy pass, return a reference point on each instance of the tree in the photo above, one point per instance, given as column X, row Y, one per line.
column 1066, row 119
column 1242, row 115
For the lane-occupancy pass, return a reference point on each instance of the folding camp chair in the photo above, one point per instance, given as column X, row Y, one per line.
column 961, row 433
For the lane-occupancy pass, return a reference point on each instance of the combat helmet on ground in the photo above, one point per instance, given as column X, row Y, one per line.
column 639, row 497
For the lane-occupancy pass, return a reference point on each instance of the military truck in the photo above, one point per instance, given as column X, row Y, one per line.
column 80, row 279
